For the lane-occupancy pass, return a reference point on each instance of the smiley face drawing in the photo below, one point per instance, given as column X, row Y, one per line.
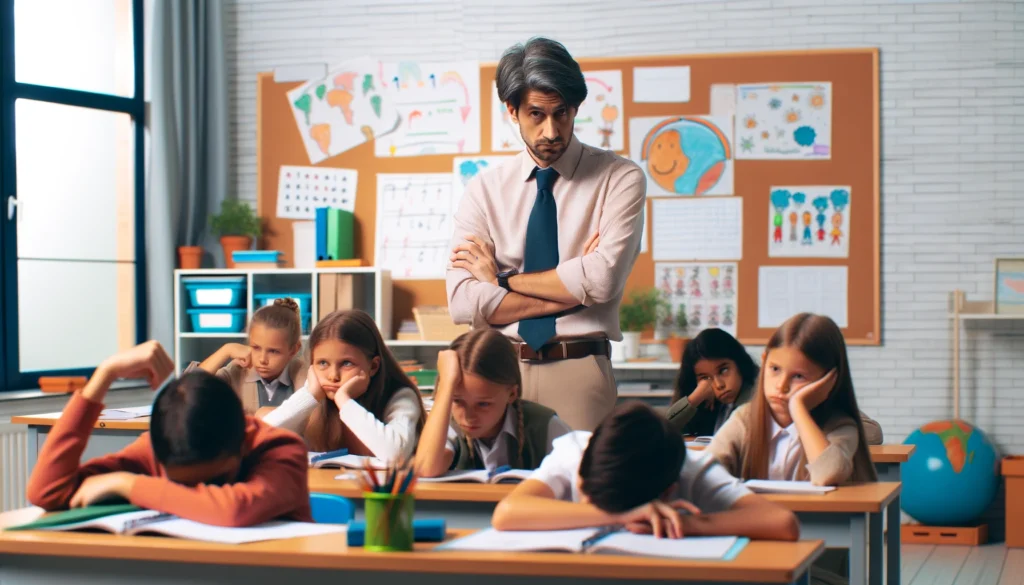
column 685, row 155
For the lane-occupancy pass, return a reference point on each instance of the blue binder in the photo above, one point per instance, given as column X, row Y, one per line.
column 321, row 233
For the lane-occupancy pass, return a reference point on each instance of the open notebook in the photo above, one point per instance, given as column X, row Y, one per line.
column 767, row 486
column 480, row 476
column 131, row 520
column 600, row 541
column 346, row 462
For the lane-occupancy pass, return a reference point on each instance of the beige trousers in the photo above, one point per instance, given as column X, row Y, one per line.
column 581, row 391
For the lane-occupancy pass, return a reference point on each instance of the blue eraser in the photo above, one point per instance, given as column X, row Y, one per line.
column 423, row 530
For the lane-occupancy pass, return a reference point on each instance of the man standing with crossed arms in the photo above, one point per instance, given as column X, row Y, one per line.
column 543, row 243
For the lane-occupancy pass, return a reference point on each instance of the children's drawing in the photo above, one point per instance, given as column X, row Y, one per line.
column 414, row 224
column 784, row 121
column 342, row 110
column 705, row 292
column 439, row 105
column 809, row 222
column 684, row 155
column 300, row 190
column 464, row 168
column 505, row 136
column 599, row 119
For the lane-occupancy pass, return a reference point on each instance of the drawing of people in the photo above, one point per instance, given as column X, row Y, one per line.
column 695, row 316
column 714, row 288
column 695, row 291
column 713, row 316
column 821, row 204
column 727, row 316
column 666, row 281
column 680, row 292
column 777, row 235
column 807, row 240
column 780, row 201
column 837, row 234
column 727, row 290
column 792, row 225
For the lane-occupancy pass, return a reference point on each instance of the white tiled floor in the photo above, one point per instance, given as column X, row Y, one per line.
column 992, row 564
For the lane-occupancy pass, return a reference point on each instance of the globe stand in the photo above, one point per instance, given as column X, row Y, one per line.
column 950, row 535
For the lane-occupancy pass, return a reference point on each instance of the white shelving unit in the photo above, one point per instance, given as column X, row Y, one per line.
column 373, row 284
column 964, row 310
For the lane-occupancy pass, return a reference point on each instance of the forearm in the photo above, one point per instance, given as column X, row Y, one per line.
column 760, row 521
column 681, row 413
column 812, row 438
column 215, row 362
column 545, row 285
column 516, row 307
column 431, row 456
column 540, row 513
column 95, row 389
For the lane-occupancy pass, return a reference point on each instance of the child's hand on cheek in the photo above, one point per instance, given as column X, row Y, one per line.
column 352, row 388
column 813, row 394
column 313, row 385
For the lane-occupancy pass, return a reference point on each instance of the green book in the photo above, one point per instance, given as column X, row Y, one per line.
column 333, row 236
column 77, row 516
column 346, row 234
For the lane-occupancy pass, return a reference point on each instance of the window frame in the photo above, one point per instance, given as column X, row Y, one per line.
column 11, row 376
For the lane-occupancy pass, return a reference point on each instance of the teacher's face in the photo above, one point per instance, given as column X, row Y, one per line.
column 545, row 123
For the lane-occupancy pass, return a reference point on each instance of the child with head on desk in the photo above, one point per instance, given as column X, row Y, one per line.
column 478, row 420
column 635, row 471
column 203, row 459
column 267, row 371
column 356, row 395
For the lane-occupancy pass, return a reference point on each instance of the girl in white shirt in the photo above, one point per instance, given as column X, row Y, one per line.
column 356, row 396
column 634, row 470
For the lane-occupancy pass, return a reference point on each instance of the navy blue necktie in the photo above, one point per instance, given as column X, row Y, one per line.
column 541, row 253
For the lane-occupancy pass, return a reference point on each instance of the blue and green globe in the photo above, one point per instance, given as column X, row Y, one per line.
column 952, row 476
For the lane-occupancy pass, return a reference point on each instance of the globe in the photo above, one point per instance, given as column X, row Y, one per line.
column 952, row 475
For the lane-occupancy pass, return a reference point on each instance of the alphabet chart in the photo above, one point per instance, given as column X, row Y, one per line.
column 414, row 224
column 300, row 190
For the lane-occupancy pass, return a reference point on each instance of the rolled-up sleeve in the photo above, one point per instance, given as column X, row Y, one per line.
column 470, row 301
column 601, row 276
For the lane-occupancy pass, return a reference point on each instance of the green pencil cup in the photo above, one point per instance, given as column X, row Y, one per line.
column 389, row 522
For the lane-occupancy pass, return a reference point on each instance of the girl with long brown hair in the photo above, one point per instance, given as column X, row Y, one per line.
column 356, row 396
column 479, row 420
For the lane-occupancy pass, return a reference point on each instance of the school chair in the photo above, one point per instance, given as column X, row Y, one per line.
column 331, row 509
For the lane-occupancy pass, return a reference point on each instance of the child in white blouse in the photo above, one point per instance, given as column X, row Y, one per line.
column 356, row 396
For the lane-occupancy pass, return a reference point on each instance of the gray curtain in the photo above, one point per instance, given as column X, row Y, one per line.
column 189, row 145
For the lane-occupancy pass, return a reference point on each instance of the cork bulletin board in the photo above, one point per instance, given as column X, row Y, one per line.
column 853, row 162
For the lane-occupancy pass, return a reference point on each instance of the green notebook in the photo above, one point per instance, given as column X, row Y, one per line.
column 340, row 228
column 333, row 240
column 77, row 516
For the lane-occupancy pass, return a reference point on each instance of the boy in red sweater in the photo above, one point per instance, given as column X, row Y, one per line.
column 203, row 459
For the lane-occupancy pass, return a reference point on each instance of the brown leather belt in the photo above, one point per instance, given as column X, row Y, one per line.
column 570, row 349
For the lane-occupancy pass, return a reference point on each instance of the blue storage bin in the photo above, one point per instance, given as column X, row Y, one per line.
column 305, row 300
column 215, row 291
column 243, row 256
column 217, row 320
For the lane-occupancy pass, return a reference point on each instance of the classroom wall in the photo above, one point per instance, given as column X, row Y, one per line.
column 952, row 143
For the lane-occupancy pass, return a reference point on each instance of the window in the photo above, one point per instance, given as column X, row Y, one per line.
column 72, row 143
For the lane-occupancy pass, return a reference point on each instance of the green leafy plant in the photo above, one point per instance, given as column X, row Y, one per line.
column 642, row 309
column 236, row 218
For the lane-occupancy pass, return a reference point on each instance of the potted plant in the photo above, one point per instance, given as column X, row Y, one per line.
column 190, row 257
column 636, row 315
column 677, row 341
column 237, row 226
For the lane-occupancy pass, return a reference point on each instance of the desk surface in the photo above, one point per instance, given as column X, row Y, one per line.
column 862, row 498
column 768, row 562
column 49, row 419
column 879, row 453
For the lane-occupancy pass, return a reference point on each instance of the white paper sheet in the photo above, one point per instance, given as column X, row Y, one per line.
column 704, row 228
column 505, row 136
column 723, row 100
column 643, row 234
column 784, row 291
column 706, row 292
column 809, row 221
column 599, row 119
column 126, row 413
column 439, row 106
column 414, row 224
column 300, row 190
column 522, row 540
column 784, row 121
column 646, row 545
column 683, row 155
column 661, row 84
column 464, row 168
column 276, row 530
column 342, row 110
column 767, row 486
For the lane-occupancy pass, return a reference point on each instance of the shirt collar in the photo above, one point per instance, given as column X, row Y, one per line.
column 285, row 379
column 778, row 430
column 566, row 164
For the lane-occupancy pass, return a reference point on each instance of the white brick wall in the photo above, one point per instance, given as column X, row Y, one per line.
column 952, row 143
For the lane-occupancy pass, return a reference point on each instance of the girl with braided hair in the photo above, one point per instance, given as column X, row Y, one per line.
column 479, row 420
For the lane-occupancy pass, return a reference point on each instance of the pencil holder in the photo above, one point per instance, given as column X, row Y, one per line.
column 388, row 522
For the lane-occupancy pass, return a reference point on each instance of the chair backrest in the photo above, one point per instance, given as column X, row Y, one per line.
column 331, row 509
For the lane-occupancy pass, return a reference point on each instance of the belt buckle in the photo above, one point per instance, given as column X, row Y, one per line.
column 521, row 351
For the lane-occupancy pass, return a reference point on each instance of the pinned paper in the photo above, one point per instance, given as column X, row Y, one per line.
column 784, row 291
column 784, row 121
column 723, row 100
column 706, row 293
column 300, row 190
column 414, row 224
column 684, row 155
column 467, row 167
column 661, row 84
column 706, row 228
column 599, row 119
column 809, row 221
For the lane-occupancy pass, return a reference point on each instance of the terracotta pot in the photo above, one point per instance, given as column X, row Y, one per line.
column 676, row 345
column 233, row 243
column 190, row 257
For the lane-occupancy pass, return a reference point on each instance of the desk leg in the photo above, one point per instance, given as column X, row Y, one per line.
column 858, row 549
column 875, row 543
column 892, row 543
column 804, row 579
column 888, row 471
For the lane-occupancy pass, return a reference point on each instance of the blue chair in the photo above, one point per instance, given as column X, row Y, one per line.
column 331, row 509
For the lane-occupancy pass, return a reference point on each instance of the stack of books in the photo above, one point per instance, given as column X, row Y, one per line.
column 256, row 259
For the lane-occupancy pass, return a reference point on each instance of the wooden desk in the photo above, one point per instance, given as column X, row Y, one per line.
column 849, row 517
column 51, row 557
column 108, row 436
column 887, row 458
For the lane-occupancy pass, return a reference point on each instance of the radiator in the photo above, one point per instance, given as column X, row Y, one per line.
column 13, row 466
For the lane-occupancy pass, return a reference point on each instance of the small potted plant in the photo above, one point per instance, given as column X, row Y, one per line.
column 636, row 315
column 237, row 226
column 190, row 257
column 677, row 341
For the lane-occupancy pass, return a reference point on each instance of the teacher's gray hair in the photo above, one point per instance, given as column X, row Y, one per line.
column 542, row 65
